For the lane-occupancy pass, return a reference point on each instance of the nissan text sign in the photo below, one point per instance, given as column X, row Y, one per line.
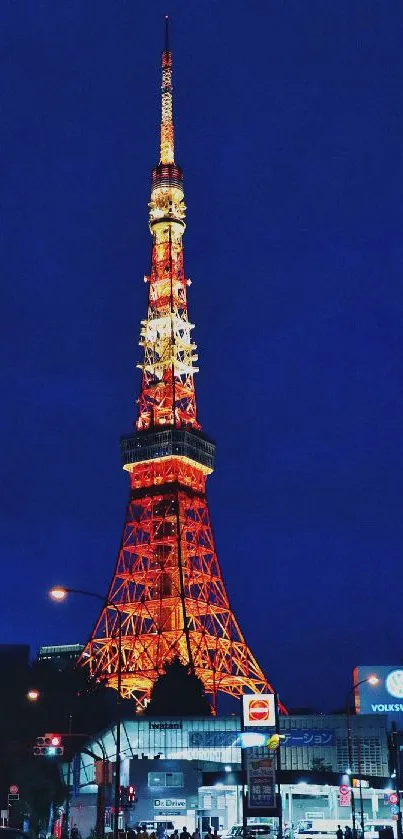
column 258, row 710
column 386, row 697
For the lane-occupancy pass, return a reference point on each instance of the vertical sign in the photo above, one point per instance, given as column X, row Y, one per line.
column 344, row 796
column 261, row 774
column 76, row 774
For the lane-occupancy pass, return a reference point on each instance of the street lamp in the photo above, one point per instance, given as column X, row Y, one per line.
column 371, row 680
column 59, row 594
column 33, row 695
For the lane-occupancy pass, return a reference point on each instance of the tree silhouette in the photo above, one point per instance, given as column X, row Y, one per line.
column 92, row 707
column 178, row 692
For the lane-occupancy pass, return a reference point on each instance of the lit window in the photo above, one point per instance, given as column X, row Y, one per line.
column 165, row 779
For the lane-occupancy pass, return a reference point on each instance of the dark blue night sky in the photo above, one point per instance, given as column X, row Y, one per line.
column 289, row 127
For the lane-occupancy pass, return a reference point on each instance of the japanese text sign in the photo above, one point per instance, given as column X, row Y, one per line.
column 261, row 775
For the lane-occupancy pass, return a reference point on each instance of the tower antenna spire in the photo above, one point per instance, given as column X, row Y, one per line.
column 167, row 126
column 166, row 33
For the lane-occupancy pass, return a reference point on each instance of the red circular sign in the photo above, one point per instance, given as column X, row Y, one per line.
column 14, row 789
column 258, row 709
column 393, row 798
column 344, row 789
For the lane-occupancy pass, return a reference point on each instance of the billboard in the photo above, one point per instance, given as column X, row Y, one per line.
column 386, row 697
column 170, row 803
column 258, row 710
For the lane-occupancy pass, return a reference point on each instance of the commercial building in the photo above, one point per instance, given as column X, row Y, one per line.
column 62, row 656
column 188, row 771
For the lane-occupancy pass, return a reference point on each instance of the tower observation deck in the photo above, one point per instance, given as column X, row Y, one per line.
column 167, row 582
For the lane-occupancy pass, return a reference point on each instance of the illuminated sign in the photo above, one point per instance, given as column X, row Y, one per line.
column 308, row 737
column 394, row 684
column 212, row 739
column 386, row 697
column 344, row 796
column 360, row 782
column 258, row 710
column 294, row 738
column 170, row 803
column 261, row 783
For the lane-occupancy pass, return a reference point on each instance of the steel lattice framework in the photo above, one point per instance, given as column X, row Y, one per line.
column 167, row 583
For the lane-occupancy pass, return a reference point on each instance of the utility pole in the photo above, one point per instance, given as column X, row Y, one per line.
column 396, row 769
column 66, row 831
column 278, row 771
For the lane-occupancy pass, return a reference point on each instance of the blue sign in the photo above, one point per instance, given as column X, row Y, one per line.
column 212, row 739
column 76, row 775
column 308, row 737
column 294, row 737
column 394, row 809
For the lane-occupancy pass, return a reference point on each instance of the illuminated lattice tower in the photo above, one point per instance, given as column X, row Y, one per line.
column 167, row 582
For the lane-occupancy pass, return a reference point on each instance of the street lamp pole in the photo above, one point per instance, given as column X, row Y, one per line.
column 360, row 783
column 395, row 753
column 60, row 593
column 350, row 761
column 372, row 680
column 278, row 768
column 66, row 831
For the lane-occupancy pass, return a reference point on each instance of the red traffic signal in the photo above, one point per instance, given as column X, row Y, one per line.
column 49, row 745
column 127, row 795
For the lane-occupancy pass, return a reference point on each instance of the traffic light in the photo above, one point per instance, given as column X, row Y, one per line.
column 50, row 745
column 123, row 796
column 127, row 796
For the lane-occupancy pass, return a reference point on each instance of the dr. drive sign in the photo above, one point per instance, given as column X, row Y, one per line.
column 169, row 803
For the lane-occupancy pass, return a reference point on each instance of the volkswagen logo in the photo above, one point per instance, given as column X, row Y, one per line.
column 394, row 684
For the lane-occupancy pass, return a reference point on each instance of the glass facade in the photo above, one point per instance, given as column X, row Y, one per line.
column 309, row 741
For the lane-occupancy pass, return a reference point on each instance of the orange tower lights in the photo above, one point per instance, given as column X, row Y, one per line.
column 167, row 582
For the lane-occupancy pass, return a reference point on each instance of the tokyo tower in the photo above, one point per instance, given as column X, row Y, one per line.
column 167, row 583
